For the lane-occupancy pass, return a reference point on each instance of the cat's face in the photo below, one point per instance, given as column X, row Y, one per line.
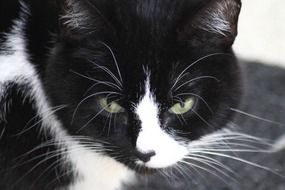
column 142, row 79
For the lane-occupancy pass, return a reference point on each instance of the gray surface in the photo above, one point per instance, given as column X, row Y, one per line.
column 265, row 97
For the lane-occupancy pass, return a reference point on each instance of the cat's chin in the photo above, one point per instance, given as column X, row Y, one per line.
column 143, row 169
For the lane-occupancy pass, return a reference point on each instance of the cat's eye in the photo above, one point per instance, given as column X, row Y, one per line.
column 111, row 107
column 183, row 107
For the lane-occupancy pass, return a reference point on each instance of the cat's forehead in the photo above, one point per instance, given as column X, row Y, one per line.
column 152, row 17
column 138, row 15
column 141, row 21
column 148, row 9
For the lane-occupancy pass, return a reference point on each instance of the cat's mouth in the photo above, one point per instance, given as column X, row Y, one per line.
column 143, row 168
column 151, row 162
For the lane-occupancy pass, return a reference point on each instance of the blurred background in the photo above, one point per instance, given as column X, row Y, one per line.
column 262, row 31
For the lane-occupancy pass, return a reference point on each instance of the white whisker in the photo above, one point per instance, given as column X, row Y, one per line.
column 256, row 117
column 97, row 82
column 45, row 116
column 194, row 79
column 229, row 150
column 114, row 86
column 205, row 169
column 203, row 149
column 215, row 161
column 96, row 115
column 211, row 165
column 115, row 60
column 240, row 160
column 207, row 123
column 199, row 97
column 90, row 96
column 192, row 64
column 109, row 72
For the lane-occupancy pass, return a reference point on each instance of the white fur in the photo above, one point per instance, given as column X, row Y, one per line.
column 217, row 19
column 99, row 172
column 216, row 23
column 152, row 138
column 75, row 16
column 279, row 144
column 13, row 65
column 94, row 171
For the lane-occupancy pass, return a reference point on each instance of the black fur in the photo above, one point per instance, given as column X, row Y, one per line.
column 17, row 161
column 139, row 38
column 162, row 36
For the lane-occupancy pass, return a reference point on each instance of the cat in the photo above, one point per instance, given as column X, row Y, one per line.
column 94, row 93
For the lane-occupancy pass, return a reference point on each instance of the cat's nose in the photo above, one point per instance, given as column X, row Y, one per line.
column 145, row 157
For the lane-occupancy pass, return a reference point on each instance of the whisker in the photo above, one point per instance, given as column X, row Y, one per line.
column 115, row 60
column 47, row 115
column 57, row 178
column 215, row 145
column 96, row 115
column 52, row 166
column 205, row 169
column 90, row 96
column 33, row 168
column 83, row 140
column 194, row 79
column 109, row 72
column 114, row 86
column 97, row 82
column 59, row 151
column 110, row 123
column 207, row 123
column 241, row 160
column 236, row 138
column 256, row 117
column 182, row 171
column 192, row 64
column 2, row 132
column 51, row 155
column 235, row 141
column 199, row 97
column 216, row 162
column 182, row 132
column 211, row 165
column 229, row 150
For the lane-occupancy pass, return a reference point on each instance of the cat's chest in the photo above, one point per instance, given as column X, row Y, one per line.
column 95, row 171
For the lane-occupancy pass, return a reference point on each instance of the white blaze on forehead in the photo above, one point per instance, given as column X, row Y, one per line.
column 152, row 137
column 148, row 110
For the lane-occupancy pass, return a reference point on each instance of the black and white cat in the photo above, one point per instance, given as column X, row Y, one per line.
column 94, row 92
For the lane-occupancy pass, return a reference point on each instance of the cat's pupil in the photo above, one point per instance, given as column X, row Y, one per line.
column 182, row 104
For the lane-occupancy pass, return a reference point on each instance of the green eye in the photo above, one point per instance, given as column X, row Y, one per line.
column 111, row 107
column 182, row 108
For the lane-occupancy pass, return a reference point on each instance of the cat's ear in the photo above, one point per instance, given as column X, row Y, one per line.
column 79, row 17
column 216, row 21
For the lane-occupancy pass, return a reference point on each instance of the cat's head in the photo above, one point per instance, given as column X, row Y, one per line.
column 144, row 79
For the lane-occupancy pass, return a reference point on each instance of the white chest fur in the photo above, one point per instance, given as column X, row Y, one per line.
column 97, row 172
